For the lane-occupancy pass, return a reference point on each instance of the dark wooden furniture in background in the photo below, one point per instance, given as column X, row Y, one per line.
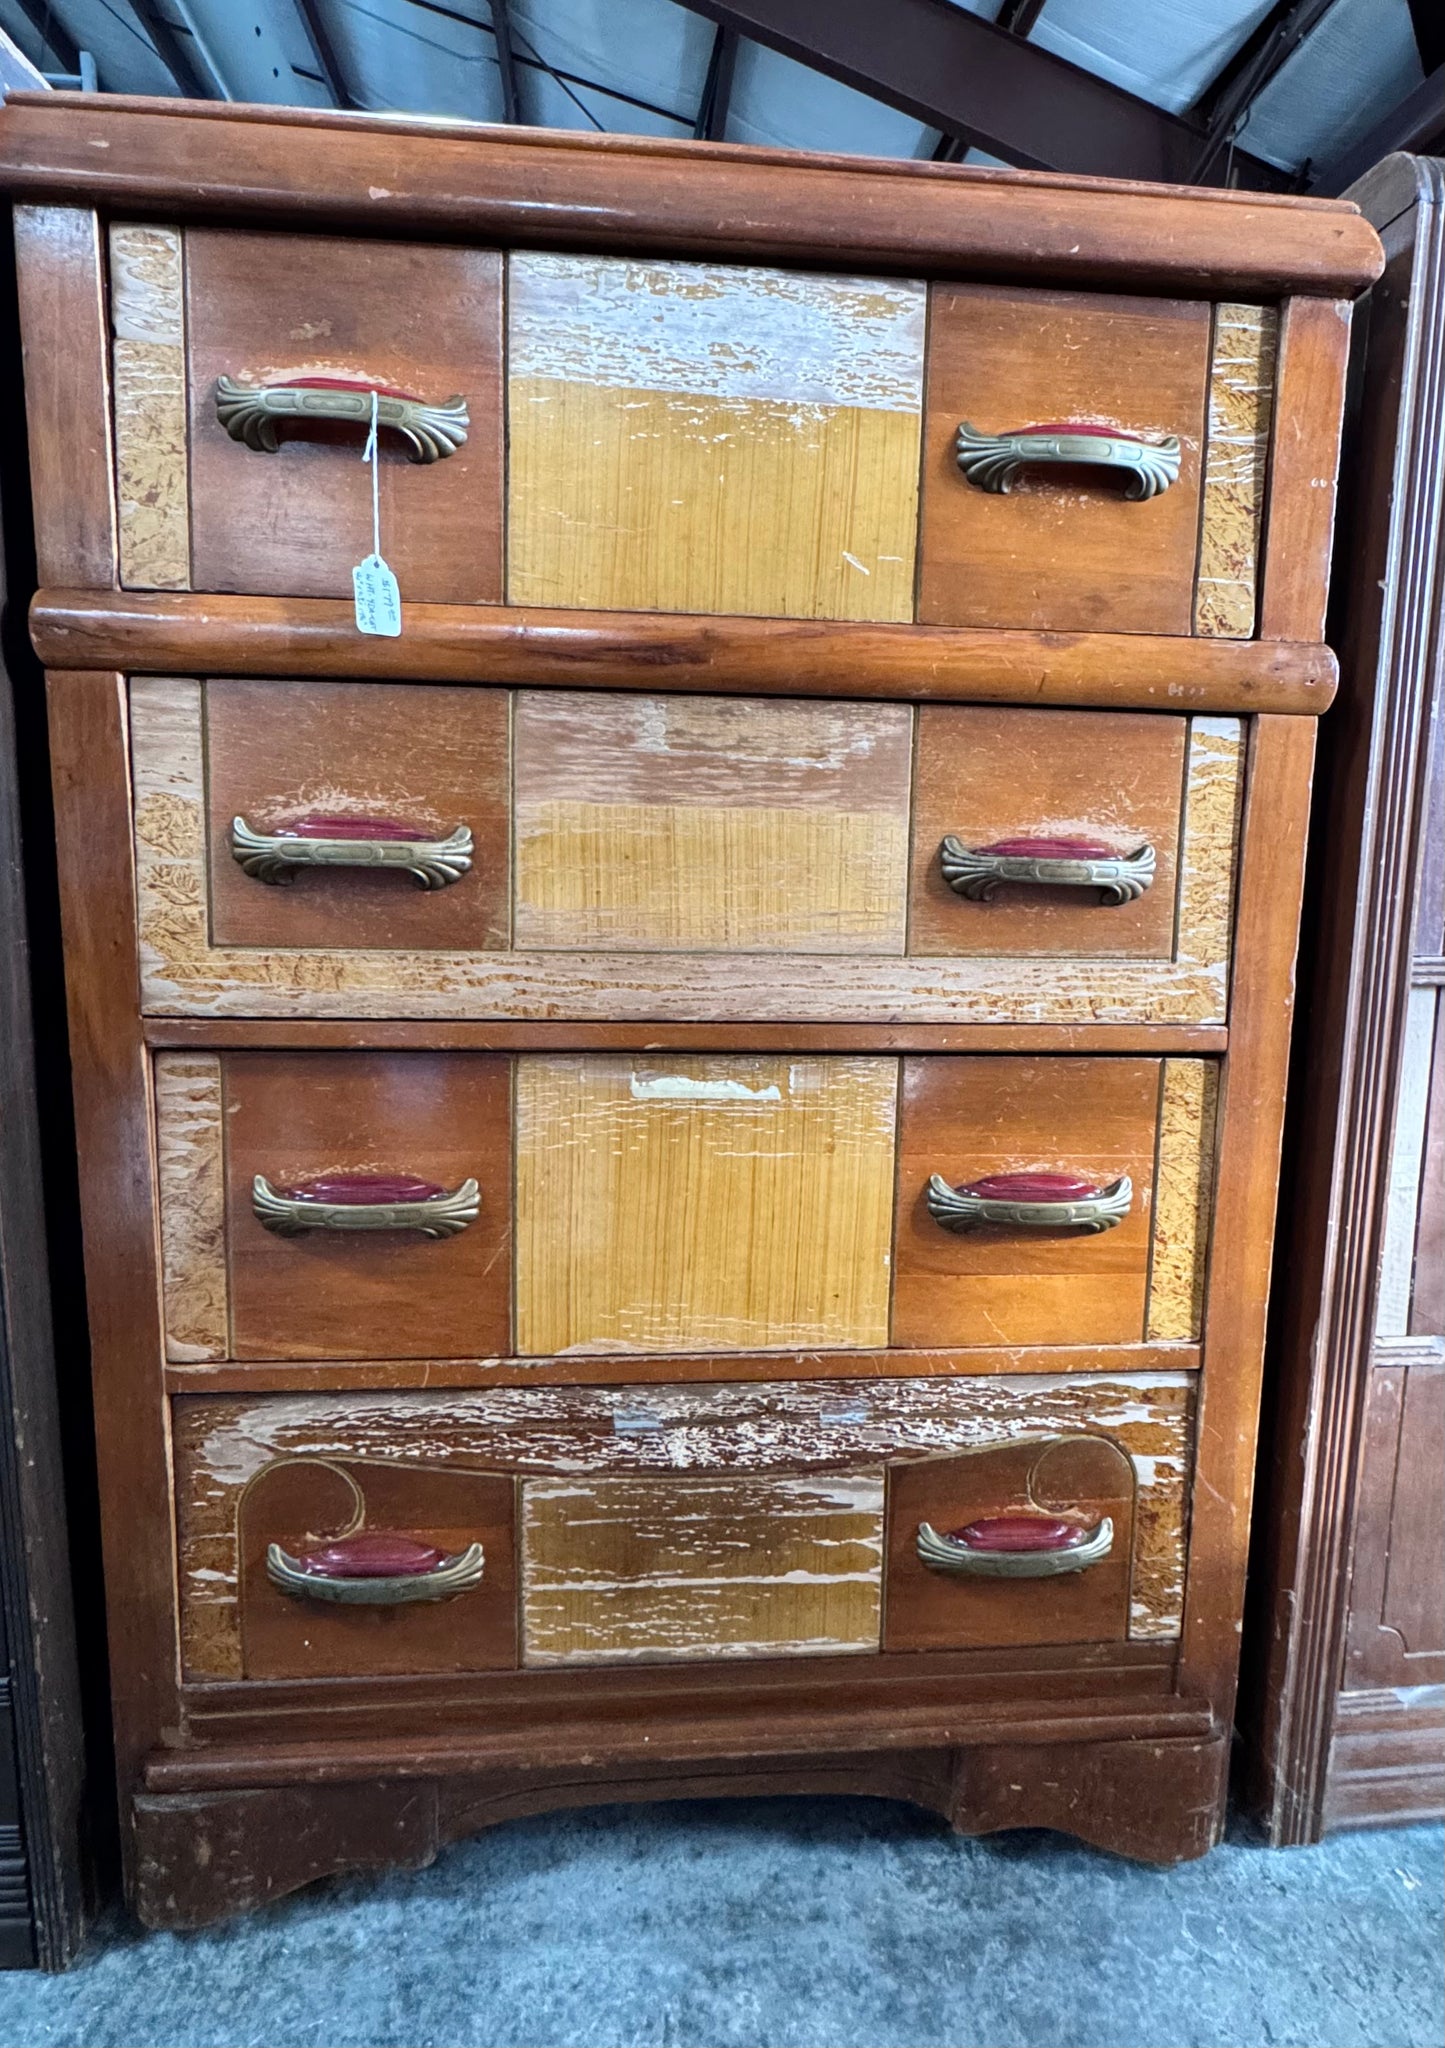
column 717, row 999
column 1346, row 1717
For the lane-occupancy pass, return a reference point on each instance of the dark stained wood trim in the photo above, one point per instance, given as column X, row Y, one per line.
column 541, row 188
column 175, row 633
column 1387, row 1759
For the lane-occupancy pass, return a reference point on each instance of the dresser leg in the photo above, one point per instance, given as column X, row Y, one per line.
column 1159, row 1802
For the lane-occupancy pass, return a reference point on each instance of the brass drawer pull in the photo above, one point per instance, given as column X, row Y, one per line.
column 977, row 871
column 335, row 842
column 1015, row 1547
column 252, row 412
column 375, row 1568
column 1029, row 1201
column 992, row 461
column 365, row 1201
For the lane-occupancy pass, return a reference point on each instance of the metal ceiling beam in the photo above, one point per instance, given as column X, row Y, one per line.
column 954, row 71
column 1428, row 21
column 54, row 35
column 506, row 62
column 712, row 113
column 1224, row 105
column 173, row 47
column 329, row 65
column 1019, row 16
column 1416, row 124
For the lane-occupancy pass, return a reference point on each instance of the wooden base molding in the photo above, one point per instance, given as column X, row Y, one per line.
column 1387, row 1758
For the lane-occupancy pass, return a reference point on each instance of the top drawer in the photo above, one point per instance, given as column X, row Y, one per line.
column 684, row 437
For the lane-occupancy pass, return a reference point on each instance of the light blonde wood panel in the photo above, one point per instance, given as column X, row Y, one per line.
column 1183, row 1199
column 631, row 1570
column 714, row 822
column 184, row 975
column 818, row 1426
column 191, row 1180
column 705, row 437
column 148, row 370
column 738, row 1202
column 1236, row 457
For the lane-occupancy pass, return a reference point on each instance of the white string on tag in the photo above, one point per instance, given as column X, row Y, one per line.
column 378, row 599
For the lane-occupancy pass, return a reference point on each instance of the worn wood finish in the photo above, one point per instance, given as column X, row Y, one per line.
column 266, row 308
column 428, row 759
column 611, row 1433
column 679, row 823
column 1395, row 1636
column 689, row 438
column 986, row 775
column 1314, row 347
column 1183, row 1199
column 966, row 1119
column 614, row 192
column 1386, row 1765
column 1060, row 553
column 1236, row 462
column 60, row 280
column 191, row 1186
column 621, row 1570
column 169, row 633
column 148, row 373
column 702, row 1203
column 293, row 1116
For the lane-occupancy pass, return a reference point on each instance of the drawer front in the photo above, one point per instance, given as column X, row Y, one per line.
column 281, row 501
column 681, row 1524
column 606, row 854
column 464, row 1205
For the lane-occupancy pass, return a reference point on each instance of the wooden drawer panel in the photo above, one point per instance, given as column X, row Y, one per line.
column 683, row 857
column 713, row 438
column 266, row 309
column 711, row 1203
column 681, row 1522
column 1061, row 549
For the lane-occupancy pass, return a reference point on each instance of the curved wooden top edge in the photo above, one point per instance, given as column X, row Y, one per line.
column 174, row 633
column 283, row 166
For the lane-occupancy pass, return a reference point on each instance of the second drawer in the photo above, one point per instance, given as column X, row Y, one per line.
column 415, row 1205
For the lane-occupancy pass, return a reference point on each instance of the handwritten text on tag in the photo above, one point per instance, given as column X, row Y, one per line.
column 378, row 600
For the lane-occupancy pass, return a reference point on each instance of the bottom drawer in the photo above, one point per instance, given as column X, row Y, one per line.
column 362, row 1534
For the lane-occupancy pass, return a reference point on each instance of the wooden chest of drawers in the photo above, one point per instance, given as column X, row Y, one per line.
column 680, row 1158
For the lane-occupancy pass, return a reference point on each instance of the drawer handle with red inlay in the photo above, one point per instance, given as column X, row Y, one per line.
column 252, row 412
column 992, row 461
column 1015, row 1547
column 978, row 871
column 365, row 1201
column 338, row 842
column 375, row 1568
column 1029, row 1201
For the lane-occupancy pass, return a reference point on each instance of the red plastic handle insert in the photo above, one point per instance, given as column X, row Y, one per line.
column 1020, row 1533
column 371, row 1554
column 363, row 1190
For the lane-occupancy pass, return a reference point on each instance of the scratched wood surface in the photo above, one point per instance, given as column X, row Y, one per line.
column 986, row 774
column 1183, row 1200
column 148, row 382
column 1070, row 552
column 184, row 974
column 704, row 437
column 191, row 1189
column 965, row 1118
column 635, row 1569
column 556, row 1433
column 733, row 1202
column 263, row 308
column 1236, row 460
column 673, row 823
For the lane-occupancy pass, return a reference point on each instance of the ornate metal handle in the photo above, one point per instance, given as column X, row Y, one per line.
column 251, row 412
column 977, row 871
column 992, row 461
column 335, row 842
column 365, row 1201
column 375, row 1568
column 1015, row 1547
column 1030, row 1201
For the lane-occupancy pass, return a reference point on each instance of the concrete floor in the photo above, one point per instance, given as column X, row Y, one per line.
column 789, row 1924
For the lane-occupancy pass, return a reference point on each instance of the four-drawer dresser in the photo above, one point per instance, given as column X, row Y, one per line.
column 678, row 1131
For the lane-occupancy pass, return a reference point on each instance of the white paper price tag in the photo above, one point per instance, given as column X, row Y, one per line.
column 378, row 600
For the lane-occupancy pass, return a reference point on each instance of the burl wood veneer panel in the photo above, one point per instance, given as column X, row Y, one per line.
column 738, row 1202
column 965, row 1118
column 1236, row 462
column 148, row 377
column 714, row 438
column 191, row 1180
column 628, row 1570
column 987, row 774
column 184, row 974
column 1068, row 551
column 717, row 823
column 264, row 308
column 814, row 1429
column 368, row 1294
column 1183, row 1200
column 430, row 758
